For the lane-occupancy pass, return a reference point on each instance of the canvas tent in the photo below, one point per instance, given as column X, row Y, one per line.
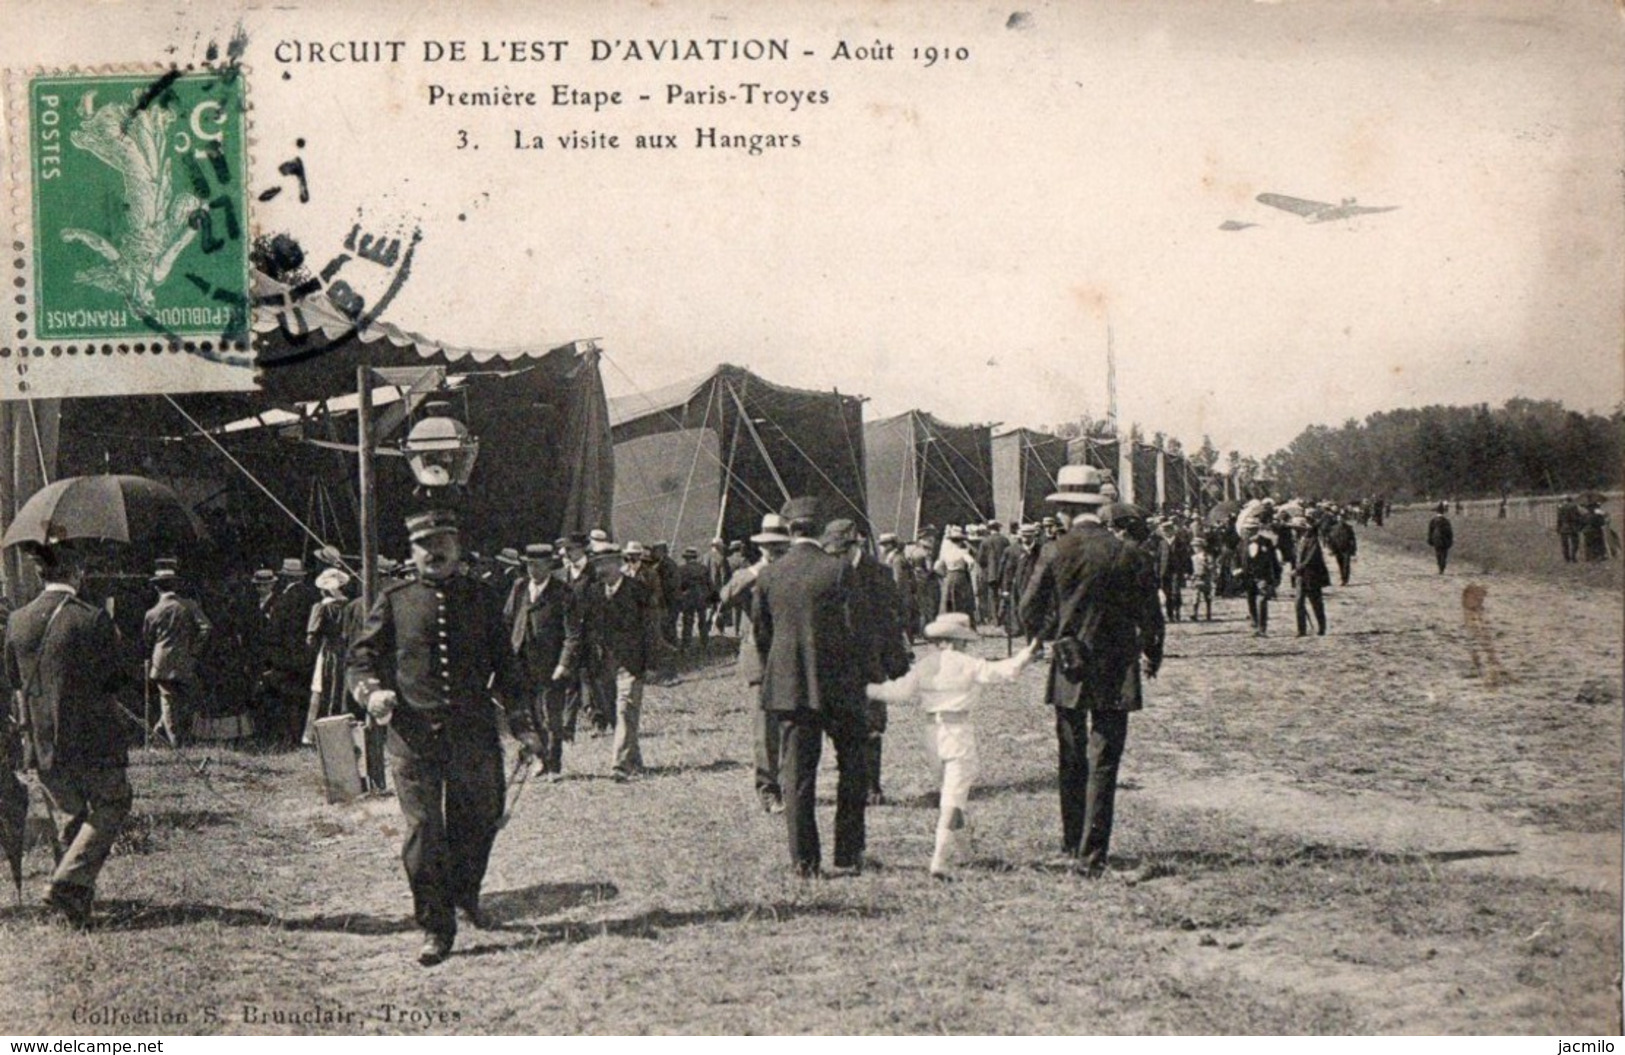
column 545, row 465
column 705, row 457
column 1024, row 468
column 924, row 471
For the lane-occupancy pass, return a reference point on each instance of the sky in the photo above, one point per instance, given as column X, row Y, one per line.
column 960, row 238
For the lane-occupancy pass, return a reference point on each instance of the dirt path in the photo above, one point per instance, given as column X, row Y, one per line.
column 1400, row 745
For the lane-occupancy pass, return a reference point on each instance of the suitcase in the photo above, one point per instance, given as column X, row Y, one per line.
column 341, row 771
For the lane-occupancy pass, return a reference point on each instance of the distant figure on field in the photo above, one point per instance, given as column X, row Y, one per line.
column 1441, row 536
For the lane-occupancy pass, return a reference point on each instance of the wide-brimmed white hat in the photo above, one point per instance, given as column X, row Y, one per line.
column 774, row 528
column 1078, row 485
column 952, row 625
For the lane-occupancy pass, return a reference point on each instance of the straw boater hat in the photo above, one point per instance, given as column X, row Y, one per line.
column 264, row 576
column 603, row 548
column 634, row 550
column 951, row 625
column 774, row 529
column 539, row 551
column 292, row 568
column 689, row 553
column 1078, row 485
column 597, row 535
column 510, row 557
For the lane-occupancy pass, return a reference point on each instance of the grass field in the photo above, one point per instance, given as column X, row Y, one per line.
column 1349, row 834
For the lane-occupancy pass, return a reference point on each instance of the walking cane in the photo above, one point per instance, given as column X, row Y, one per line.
column 518, row 781
column 146, row 705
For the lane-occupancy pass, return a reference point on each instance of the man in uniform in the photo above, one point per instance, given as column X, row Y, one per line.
column 544, row 632
column 433, row 653
column 62, row 656
column 811, row 685
column 1091, row 595
column 174, row 634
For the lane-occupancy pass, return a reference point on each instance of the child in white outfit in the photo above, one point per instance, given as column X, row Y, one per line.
column 948, row 683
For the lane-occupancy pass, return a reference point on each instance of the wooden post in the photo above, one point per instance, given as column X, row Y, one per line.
column 369, row 489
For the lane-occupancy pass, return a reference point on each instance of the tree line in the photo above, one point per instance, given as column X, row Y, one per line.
column 1525, row 447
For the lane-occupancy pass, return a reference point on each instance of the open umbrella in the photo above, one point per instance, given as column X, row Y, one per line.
column 109, row 508
column 1220, row 514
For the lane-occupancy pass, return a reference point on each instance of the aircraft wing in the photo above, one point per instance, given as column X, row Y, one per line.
column 1235, row 225
column 1301, row 206
column 1343, row 212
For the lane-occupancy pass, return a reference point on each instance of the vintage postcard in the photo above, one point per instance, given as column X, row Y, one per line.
column 337, row 335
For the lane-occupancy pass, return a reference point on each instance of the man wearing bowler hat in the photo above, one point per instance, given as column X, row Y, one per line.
column 812, row 683
column 1088, row 596
column 431, row 657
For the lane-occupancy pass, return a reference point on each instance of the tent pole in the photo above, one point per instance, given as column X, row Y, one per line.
column 727, row 481
column 744, row 415
column 369, row 488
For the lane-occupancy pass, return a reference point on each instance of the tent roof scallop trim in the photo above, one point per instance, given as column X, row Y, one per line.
column 275, row 307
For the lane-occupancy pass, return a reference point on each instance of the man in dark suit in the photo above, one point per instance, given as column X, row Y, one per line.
column 1441, row 536
column 1569, row 522
column 812, row 682
column 624, row 639
column 289, row 658
column 738, row 595
column 545, row 633
column 1310, row 575
column 174, row 633
column 62, row 655
column 432, row 655
column 1089, row 595
column 877, row 619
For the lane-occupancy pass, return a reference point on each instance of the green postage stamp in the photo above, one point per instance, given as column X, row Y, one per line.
column 139, row 222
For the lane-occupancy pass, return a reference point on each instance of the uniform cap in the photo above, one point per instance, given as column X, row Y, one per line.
column 434, row 522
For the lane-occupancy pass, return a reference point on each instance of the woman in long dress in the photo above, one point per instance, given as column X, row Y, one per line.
column 325, row 633
column 957, row 567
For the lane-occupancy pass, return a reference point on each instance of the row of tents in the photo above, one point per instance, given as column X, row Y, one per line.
column 685, row 462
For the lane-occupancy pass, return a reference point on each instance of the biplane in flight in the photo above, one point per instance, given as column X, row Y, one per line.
column 1319, row 211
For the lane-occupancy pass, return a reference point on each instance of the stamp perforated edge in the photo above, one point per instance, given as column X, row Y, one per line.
column 15, row 132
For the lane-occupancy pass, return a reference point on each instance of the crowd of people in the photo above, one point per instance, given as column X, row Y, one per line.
column 543, row 639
